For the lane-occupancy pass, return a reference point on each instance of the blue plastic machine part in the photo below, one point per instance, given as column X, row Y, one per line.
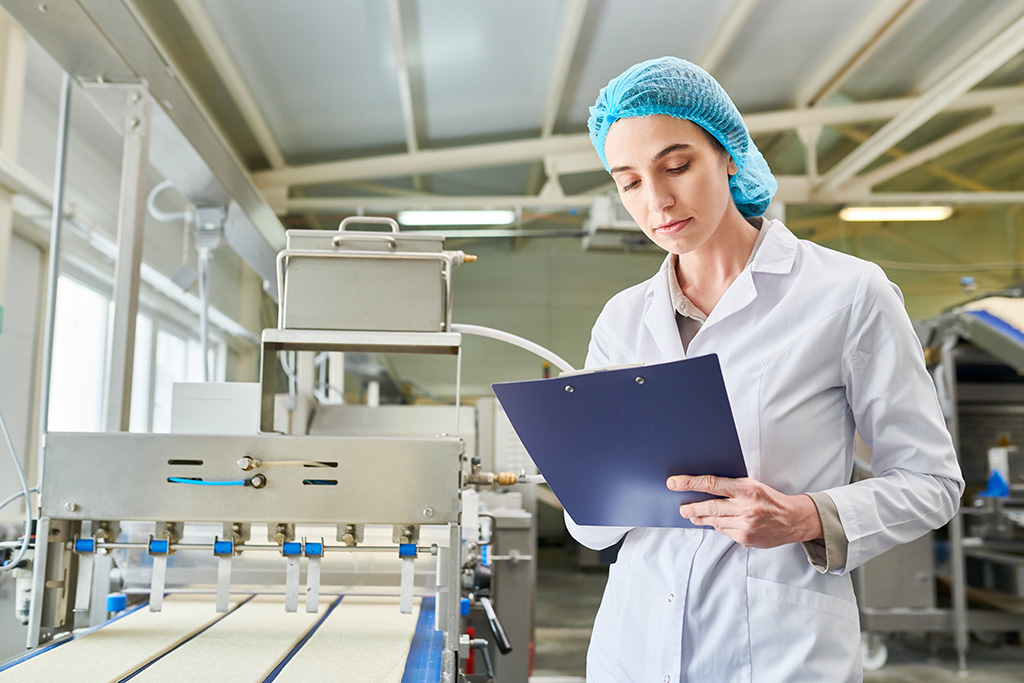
column 407, row 550
column 85, row 545
column 292, row 549
column 464, row 607
column 223, row 548
column 117, row 602
column 314, row 549
column 485, row 555
column 159, row 547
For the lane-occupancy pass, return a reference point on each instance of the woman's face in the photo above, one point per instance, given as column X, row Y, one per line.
column 670, row 178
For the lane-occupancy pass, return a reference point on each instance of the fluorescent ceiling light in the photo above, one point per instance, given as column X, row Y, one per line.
column 896, row 213
column 456, row 217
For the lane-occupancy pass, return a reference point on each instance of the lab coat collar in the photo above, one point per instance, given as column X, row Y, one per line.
column 777, row 252
column 660, row 316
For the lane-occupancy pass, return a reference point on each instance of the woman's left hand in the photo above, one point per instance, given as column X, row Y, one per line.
column 749, row 512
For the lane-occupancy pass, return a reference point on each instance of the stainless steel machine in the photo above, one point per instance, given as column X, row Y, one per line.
column 370, row 501
column 976, row 355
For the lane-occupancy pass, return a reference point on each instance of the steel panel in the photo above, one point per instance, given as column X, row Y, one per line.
column 124, row 477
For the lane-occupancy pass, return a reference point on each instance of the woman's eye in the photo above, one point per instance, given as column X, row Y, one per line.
column 630, row 186
column 679, row 169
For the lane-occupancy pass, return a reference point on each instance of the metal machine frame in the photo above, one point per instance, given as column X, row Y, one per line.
column 942, row 338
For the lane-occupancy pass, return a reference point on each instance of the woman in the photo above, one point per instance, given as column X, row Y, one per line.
column 814, row 344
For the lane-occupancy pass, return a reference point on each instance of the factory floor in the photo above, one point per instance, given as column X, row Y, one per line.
column 567, row 600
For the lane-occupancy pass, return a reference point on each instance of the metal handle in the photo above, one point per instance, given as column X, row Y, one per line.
column 375, row 220
column 500, row 639
column 392, row 242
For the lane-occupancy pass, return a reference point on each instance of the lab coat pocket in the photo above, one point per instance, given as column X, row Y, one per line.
column 798, row 634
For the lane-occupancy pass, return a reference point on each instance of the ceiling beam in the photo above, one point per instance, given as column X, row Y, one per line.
column 955, row 198
column 933, row 150
column 578, row 145
column 725, row 34
column 964, row 77
column 792, row 190
column 201, row 24
column 393, row 203
column 872, row 32
column 572, row 25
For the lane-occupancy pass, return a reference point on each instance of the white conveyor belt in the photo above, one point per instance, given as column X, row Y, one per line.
column 362, row 639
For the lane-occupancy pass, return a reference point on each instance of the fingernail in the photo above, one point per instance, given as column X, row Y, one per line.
column 672, row 484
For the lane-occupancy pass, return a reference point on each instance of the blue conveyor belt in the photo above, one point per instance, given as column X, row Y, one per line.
column 424, row 662
column 1000, row 324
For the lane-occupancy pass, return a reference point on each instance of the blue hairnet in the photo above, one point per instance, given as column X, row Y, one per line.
column 681, row 89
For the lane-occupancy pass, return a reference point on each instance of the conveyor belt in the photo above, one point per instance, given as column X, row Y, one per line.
column 354, row 638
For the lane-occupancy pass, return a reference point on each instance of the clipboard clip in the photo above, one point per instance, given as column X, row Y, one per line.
column 587, row 371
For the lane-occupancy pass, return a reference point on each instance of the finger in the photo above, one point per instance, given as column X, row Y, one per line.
column 722, row 486
column 718, row 507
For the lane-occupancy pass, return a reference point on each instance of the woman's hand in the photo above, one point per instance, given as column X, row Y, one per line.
column 749, row 512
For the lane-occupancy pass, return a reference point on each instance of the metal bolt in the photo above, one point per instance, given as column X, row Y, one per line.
column 135, row 97
column 569, row 389
column 43, row 7
column 70, row 507
column 134, row 122
column 639, row 380
column 428, row 512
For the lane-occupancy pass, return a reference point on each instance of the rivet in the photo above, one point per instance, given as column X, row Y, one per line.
column 569, row 389
column 70, row 507
column 428, row 512
column 639, row 380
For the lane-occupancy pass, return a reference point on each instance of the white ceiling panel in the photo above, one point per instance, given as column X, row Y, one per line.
column 322, row 71
column 919, row 47
column 621, row 33
column 770, row 59
column 485, row 66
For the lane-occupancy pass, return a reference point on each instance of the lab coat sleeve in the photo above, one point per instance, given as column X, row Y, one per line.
column 602, row 353
column 917, row 482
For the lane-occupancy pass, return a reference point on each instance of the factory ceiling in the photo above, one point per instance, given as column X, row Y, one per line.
column 328, row 108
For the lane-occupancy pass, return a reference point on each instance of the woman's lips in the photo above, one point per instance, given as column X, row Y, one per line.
column 673, row 227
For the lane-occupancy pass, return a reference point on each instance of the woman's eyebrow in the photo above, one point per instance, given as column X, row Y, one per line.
column 671, row 148
column 660, row 155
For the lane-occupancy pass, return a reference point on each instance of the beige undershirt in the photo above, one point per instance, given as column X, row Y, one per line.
column 825, row 554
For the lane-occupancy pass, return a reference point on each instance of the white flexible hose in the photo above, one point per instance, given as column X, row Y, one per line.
column 159, row 214
column 28, row 502
column 515, row 340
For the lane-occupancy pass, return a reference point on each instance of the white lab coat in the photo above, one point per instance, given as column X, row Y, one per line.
column 813, row 345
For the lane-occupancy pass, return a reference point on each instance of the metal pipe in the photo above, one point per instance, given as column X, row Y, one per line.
column 204, row 309
column 53, row 267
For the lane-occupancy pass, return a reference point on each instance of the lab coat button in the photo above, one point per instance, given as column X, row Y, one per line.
column 671, row 597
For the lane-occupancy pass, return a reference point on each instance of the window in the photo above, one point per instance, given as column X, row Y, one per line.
column 141, row 371
column 79, row 358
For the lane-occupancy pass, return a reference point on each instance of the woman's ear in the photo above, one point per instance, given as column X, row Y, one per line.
column 731, row 167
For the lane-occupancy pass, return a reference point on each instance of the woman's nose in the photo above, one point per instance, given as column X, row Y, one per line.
column 660, row 196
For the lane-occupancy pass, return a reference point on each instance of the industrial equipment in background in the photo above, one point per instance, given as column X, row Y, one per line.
column 296, row 532
column 967, row 578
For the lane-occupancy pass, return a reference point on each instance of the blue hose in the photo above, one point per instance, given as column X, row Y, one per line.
column 198, row 482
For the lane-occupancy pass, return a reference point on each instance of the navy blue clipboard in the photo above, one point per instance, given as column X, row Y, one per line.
column 606, row 441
